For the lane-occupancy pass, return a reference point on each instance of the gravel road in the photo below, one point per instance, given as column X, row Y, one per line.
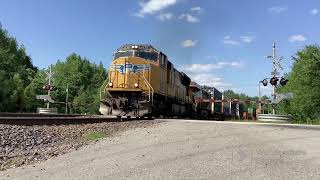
column 189, row 150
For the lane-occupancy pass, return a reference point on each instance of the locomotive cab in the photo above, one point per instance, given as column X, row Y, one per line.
column 143, row 82
column 128, row 91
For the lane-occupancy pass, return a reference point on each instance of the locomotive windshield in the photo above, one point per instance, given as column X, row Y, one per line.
column 123, row 54
column 152, row 56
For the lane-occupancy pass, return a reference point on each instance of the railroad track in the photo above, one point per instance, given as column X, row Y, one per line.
column 56, row 119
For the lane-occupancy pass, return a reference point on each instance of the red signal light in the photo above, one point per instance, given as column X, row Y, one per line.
column 265, row 82
column 274, row 81
column 46, row 87
column 53, row 88
column 283, row 81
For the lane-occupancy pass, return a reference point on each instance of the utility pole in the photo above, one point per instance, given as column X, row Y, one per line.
column 67, row 96
column 260, row 108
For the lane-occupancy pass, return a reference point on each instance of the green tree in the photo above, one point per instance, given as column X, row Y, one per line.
column 34, row 89
column 16, row 72
column 83, row 78
column 304, row 83
column 229, row 94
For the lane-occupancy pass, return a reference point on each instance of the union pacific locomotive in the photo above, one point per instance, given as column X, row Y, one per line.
column 142, row 82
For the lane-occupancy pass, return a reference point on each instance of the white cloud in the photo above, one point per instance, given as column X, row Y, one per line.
column 196, row 9
column 278, row 9
column 189, row 18
column 202, row 73
column 243, row 39
column 189, row 43
column 197, row 68
column 210, row 80
column 153, row 6
column 165, row 16
column 227, row 40
column 297, row 38
column 314, row 11
column 247, row 39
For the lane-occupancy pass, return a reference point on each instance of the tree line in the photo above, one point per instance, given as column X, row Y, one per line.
column 304, row 83
column 21, row 81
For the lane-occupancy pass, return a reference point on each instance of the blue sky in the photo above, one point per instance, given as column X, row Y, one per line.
column 217, row 42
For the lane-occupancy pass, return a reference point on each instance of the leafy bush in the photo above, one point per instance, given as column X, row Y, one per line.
column 304, row 82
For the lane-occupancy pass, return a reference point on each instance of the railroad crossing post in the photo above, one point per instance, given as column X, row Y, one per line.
column 212, row 104
column 274, row 75
column 222, row 104
column 49, row 79
column 238, row 110
column 276, row 64
column 259, row 104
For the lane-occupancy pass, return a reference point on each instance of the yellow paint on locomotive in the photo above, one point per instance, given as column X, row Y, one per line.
column 124, row 79
column 125, row 72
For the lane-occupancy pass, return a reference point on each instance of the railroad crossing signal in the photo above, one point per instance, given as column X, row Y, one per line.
column 276, row 65
column 274, row 81
column 265, row 82
column 49, row 87
column 282, row 96
column 45, row 97
column 49, row 74
column 283, row 81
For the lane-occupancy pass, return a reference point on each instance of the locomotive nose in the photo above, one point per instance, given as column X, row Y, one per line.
column 129, row 73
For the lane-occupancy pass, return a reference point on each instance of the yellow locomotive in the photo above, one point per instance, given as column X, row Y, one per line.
column 143, row 82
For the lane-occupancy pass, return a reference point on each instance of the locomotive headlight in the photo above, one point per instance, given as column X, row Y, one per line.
column 136, row 85
column 110, row 84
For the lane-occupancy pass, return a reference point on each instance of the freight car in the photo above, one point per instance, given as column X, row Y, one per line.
column 143, row 82
column 206, row 109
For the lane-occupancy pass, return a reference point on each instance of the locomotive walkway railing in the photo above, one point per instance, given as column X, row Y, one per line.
column 151, row 90
column 103, row 89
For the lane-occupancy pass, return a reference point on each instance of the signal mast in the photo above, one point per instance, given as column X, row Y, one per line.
column 276, row 65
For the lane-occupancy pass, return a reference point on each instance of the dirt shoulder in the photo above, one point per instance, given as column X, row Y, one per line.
column 21, row 145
